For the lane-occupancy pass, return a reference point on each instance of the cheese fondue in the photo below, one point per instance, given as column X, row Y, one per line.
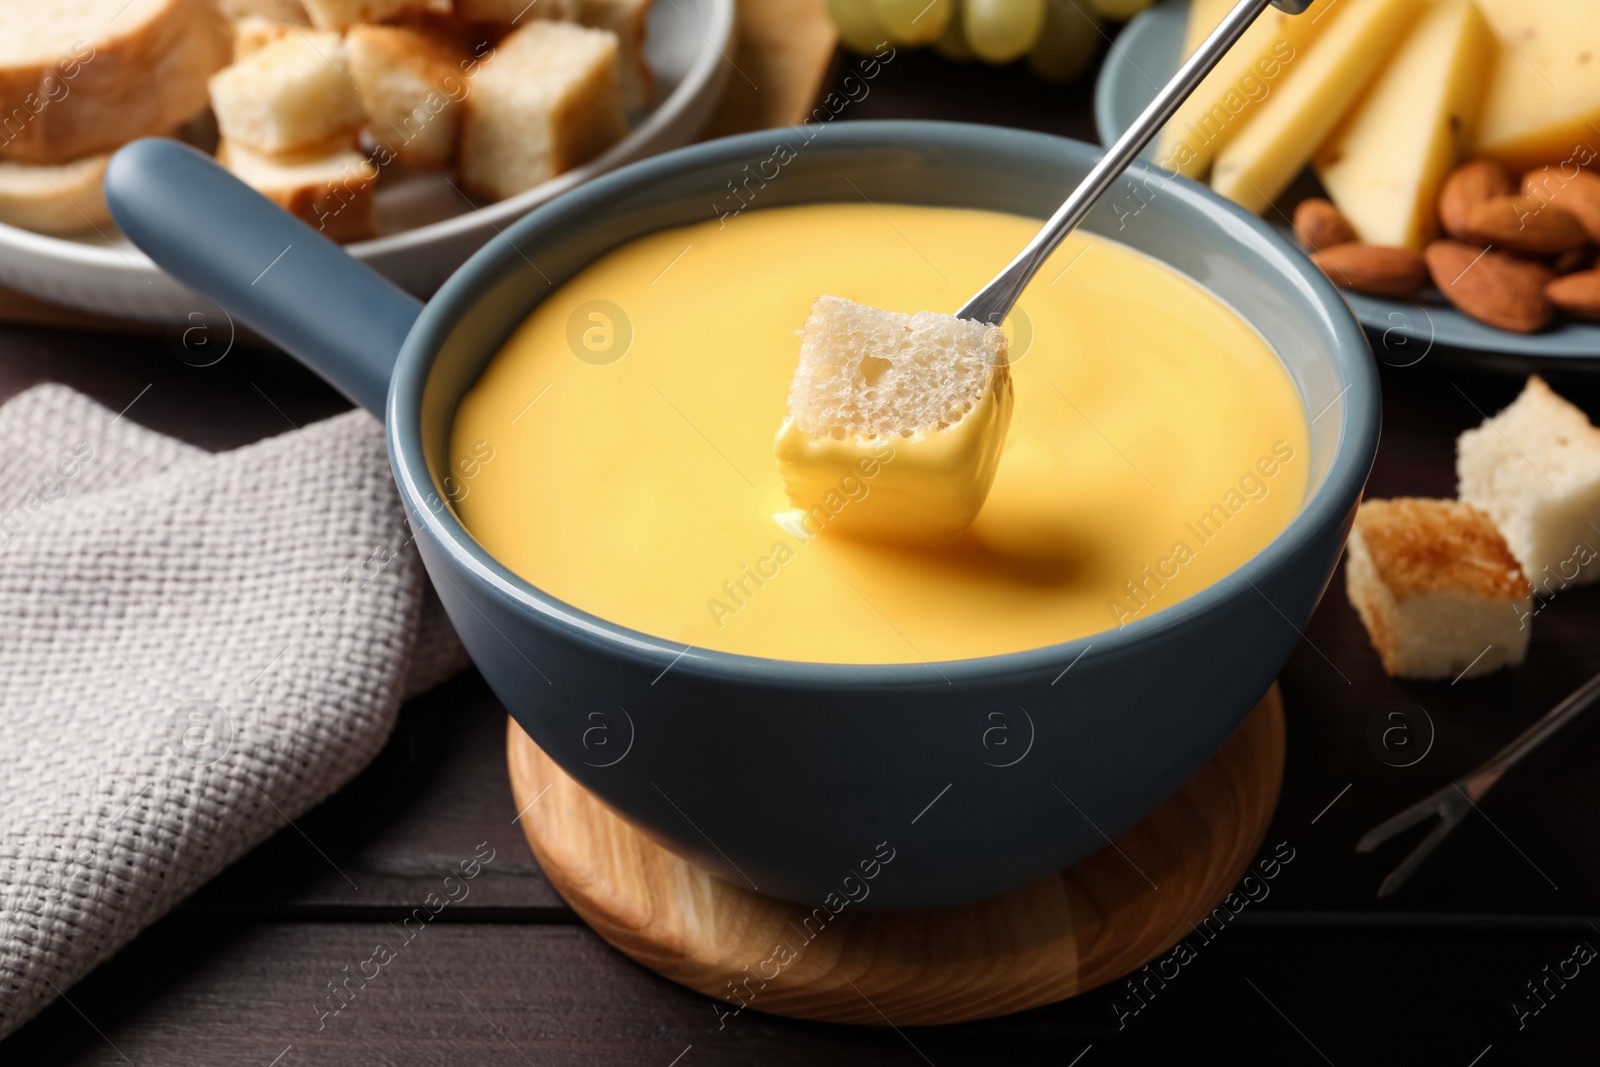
column 617, row 452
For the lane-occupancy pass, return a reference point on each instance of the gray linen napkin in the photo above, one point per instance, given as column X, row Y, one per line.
column 194, row 648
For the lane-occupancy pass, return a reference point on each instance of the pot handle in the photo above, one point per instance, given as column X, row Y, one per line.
column 273, row 272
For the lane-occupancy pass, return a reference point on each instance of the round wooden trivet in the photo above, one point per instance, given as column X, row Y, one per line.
column 1058, row 937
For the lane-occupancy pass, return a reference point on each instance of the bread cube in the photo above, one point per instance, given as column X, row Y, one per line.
column 285, row 11
column 628, row 19
column 252, row 33
column 1535, row 469
column 1439, row 592
column 912, row 408
column 330, row 188
column 291, row 95
column 873, row 373
column 54, row 198
column 547, row 101
column 342, row 14
column 515, row 12
column 411, row 86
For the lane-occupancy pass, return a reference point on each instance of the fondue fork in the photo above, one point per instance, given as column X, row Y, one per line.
column 1452, row 803
column 995, row 300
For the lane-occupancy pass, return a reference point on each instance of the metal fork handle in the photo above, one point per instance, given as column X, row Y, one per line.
column 1477, row 782
column 995, row 301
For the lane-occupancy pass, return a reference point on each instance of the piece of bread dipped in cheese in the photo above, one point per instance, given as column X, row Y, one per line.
column 895, row 422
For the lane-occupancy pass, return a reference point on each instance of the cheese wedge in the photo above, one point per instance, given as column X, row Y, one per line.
column 1236, row 88
column 1544, row 98
column 1385, row 165
column 1315, row 93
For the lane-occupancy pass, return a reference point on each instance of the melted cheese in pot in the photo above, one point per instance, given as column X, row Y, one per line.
column 617, row 452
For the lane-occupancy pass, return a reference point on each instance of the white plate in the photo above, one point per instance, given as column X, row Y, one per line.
column 1147, row 53
column 429, row 228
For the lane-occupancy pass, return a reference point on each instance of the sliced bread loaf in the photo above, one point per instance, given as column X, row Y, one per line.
column 54, row 197
column 78, row 77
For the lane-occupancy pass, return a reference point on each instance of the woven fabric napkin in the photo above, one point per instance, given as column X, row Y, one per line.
column 194, row 649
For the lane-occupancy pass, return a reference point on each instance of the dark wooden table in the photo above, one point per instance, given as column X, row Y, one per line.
column 1321, row 971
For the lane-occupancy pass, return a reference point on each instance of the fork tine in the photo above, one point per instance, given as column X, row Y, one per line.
column 1397, row 877
column 1405, row 820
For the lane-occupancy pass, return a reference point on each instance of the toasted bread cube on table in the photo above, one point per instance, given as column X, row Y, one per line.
column 1535, row 469
column 330, row 188
column 342, row 14
column 516, row 12
column 549, row 100
column 54, row 197
column 411, row 85
column 629, row 20
column 291, row 95
column 1437, row 588
column 73, row 83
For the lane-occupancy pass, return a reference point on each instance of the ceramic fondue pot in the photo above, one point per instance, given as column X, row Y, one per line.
column 785, row 775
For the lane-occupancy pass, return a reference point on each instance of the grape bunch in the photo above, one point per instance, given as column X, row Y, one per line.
column 1059, row 38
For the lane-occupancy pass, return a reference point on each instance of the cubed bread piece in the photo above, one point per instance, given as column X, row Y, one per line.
column 252, row 33
column 516, row 12
column 342, row 14
column 548, row 100
column 411, row 86
column 1535, row 468
column 628, row 19
column 1439, row 592
column 292, row 95
column 54, row 197
column 330, row 189
column 80, row 77
column 286, row 11
column 917, row 404
column 873, row 373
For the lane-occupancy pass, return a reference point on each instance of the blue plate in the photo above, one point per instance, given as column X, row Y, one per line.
column 1147, row 53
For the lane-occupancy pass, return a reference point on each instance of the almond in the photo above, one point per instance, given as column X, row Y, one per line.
column 1577, row 193
column 1526, row 224
column 1471, row 184
column 1374, row 269
column 1577, row 294
column 1492, row 287
column 1320, row 226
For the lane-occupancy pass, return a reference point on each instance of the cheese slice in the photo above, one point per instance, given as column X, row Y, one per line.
column 1204, row 16
column 1384, row 166
column 1236, row 86
column 1544, row 99
column 1316, row 92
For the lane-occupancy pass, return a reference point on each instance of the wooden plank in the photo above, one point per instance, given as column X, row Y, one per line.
column 207, row 992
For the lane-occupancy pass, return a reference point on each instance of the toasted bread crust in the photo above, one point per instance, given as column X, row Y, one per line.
column 54, row 198
column 1423, row 546
column 144, row 77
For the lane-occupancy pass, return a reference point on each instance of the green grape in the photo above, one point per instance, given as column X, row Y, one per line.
column 1121, row 10
column 858, row 28
column 1069, row 42
column 952, row 43
column 913, row 23
column 1002, row 30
